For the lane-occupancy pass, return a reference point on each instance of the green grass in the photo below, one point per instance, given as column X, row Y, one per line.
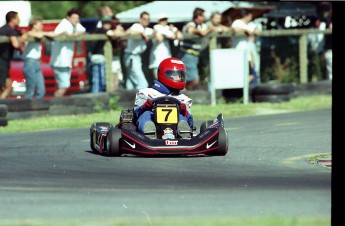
column 200, row 112
column 315, row 158
column 179, row 221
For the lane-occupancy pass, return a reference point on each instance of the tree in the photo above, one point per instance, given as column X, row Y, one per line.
column 58, row 9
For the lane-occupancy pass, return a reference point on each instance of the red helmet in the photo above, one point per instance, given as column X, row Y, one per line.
column 172, row 73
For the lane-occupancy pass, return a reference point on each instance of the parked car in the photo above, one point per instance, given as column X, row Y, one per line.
column 79, row 78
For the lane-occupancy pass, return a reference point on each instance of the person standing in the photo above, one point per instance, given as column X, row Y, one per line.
column 62, row 52
column 316, row 44
column 104, row 10
column 132, row 54
column 190, row 48
column 98, row 58
column 245, row 42
column 34, row 79
column 118, row 45
column 218, row 27
column 162, row 35
column 204, row 57
column 328, row 52
column 7, row 50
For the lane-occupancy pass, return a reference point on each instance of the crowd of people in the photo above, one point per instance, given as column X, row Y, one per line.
column 127, row 63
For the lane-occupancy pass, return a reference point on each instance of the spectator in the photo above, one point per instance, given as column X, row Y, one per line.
column 132, row 54
column 7, row 50
column 316, row 44
column 116, row 32
column 98, row 83
column 62, row 52
column 163, row 34
column 190, row 48
column 103, row 11
column 328, row 52
column 254, row 59
column 204, row 58
column 215, row 22
column 34, row 79
column 241, row 42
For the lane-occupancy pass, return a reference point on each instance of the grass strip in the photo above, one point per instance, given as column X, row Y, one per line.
column 200, row 112
column 178, row 221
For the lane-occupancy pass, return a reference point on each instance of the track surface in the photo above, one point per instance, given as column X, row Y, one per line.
column 54, row 175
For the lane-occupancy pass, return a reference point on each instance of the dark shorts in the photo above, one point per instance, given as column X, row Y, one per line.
column 4, row 72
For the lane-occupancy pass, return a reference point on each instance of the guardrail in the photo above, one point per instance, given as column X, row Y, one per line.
column 302, row 33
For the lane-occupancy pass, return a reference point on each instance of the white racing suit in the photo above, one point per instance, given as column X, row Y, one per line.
column 158, row 90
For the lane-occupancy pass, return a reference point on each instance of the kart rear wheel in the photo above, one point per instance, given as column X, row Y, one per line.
column 223, row 144
column 205, row 125
column 113, row 142
column 95, row 125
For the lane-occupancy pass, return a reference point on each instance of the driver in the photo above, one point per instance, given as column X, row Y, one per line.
column 171, row 80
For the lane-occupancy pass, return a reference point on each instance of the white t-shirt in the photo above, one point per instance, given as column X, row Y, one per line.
column 32, row 50
column 160, row 50
column 62, row 52
column 241, row 42
column 137, row 46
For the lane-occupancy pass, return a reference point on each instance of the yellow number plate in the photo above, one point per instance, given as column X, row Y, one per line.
column 167, row 115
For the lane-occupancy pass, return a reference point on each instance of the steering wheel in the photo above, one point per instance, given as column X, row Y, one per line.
column 166, row 100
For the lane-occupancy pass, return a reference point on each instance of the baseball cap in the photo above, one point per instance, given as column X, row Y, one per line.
column 106, row 19
column 162, row 16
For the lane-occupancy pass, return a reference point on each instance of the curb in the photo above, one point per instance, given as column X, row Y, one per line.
column 325, row 162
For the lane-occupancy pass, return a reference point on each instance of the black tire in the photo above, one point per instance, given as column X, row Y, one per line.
column 270, row 89
column 92, row 144
column 113, row 142
column 97, row 124
column 3, row 110
column 205, row 125
column 3, row 121
column 222, row 143
column 271, row 98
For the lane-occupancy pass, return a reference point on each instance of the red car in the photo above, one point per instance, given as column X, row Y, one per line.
column 79, row 78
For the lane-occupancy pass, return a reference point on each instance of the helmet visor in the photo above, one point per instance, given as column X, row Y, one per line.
column 175, row 75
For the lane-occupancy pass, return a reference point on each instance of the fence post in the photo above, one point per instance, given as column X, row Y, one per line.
column 109, row 77
column 303, row 59
column 212, row 44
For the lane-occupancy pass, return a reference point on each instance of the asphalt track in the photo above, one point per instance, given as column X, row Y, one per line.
column 53, row 175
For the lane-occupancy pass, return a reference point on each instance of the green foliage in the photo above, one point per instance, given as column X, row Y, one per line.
column 112, row 103
column 88, row 8
column 279, row 59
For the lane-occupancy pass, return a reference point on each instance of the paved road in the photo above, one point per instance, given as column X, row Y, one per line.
column 53, row 174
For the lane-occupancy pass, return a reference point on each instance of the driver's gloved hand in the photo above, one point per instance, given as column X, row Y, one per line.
column 147, row 106
column 183, row 110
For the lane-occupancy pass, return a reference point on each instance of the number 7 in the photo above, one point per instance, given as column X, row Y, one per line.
column 167, row 115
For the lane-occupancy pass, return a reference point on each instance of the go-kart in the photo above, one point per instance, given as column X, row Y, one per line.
column 124, row 137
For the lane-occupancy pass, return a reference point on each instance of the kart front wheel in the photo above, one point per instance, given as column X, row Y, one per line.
column 113, row 142
column 223, row 143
